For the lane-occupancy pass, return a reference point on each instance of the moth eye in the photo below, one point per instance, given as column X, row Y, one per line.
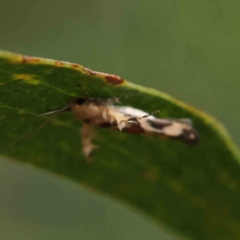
column 80, row 101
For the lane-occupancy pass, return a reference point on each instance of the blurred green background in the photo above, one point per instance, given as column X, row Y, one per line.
column 189, row 49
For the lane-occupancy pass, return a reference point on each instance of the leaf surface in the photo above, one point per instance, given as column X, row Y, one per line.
column 194, row 190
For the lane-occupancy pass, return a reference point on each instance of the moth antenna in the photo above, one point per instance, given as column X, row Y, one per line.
column 32, row 132
column 150, row 114
column 66, row 108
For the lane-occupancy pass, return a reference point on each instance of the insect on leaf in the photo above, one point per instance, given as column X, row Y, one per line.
column 192, row 189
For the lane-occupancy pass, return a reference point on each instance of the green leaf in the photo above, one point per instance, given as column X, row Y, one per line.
column 194, row 190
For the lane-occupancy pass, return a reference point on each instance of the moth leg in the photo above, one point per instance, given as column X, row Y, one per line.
column 87, row 134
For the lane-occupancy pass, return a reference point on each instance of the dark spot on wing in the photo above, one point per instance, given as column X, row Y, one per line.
column 134, row 129
column 159, row 124
column 189, row 136
column 87, row 121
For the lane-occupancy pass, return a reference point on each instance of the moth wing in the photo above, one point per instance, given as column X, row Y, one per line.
column 180, row 129
column 186, row 121
column 132, row 112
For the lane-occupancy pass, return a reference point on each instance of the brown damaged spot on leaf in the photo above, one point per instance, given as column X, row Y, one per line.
column 59, row 63
column 75, row 65
column 109, row 78
column 27, row 59
column 114, row 80
column 26, row 77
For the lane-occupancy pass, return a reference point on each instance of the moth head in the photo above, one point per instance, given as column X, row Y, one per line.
column 79, row 100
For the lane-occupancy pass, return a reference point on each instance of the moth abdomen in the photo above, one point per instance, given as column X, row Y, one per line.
column 189, row 136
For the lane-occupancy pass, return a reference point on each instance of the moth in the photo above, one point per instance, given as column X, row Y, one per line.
column 103, row 113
